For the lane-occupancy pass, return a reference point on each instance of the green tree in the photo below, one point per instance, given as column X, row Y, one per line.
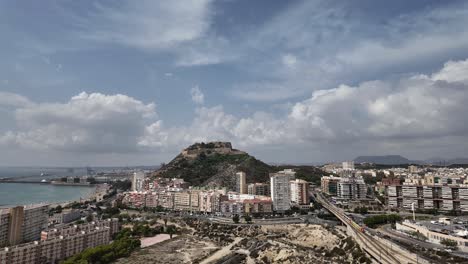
column 418, row 235
column 235, row 218
column 171, row 230
column 448, row 243
column 376, row 220
column 361, row 210
column 89, row 218
column 248, row 219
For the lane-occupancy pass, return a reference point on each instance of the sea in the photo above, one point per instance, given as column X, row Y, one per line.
column 32, row 193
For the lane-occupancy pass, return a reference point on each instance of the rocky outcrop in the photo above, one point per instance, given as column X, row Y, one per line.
column 214, row 164
column 211, row 148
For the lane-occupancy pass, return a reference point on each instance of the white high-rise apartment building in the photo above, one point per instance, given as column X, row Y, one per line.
column 241, row 182
column 280, row 189
column 299, row 191
column 348, row 165
column 138, row 181
column 412, row 169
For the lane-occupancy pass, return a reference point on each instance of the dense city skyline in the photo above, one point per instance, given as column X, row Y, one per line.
column 133, row 83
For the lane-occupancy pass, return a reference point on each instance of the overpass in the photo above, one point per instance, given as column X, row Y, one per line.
column 381, row 250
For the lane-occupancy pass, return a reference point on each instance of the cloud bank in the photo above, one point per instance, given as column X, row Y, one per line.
column 419, row 108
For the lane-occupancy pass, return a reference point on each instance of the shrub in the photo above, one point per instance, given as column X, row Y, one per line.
column 418, row 235
column 248, row 219
column 377, row 220
column 452, row 244
column 235, row 219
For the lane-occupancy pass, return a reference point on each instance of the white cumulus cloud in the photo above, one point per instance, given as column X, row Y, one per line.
column 413, row 111
column 197, row 96
column 14, row 100
column 86, row 123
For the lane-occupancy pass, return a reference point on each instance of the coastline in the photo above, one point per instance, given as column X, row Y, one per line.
column 89, row 196
column 72, row 184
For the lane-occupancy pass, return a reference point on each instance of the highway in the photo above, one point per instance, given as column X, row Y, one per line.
column 378, row 248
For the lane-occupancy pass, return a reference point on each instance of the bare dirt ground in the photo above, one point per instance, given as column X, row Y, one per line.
column 305, row 235
column 213, row 243
column 182, row 249
column 224, row 251
column 149, row 241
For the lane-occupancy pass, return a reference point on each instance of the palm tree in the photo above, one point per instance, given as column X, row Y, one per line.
column 171, row 230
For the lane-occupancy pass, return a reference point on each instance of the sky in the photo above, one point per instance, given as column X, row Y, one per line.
column 121, row 83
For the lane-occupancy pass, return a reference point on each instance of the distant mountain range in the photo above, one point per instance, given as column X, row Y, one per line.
column 385, row 160
column 398, row 159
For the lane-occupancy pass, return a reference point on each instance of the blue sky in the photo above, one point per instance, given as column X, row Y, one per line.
column 289, row 81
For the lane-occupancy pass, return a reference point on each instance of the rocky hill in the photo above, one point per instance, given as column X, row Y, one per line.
column 216, row 163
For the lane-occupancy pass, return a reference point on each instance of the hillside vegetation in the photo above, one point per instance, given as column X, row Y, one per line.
column 216, row 163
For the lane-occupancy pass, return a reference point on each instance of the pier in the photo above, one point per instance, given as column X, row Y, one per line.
column 13, row 180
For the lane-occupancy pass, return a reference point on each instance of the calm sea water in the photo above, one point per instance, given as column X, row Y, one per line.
column 34, row 173
column 28, row 193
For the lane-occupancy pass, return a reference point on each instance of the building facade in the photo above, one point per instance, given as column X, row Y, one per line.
column 412, row 169
column 280, row 189
column 258, row 206
column 58, row 244
column 435, row 235
column 329, row 184
column 232, row 207
column 348, row 165
column 138, row 181
column 352, row 188
column 187, row 201
column 241, row 182
column 65, row 217
column 258, row 189
column 22, row 224
column 299, row 192
column 439, row 197
column 210, row 200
